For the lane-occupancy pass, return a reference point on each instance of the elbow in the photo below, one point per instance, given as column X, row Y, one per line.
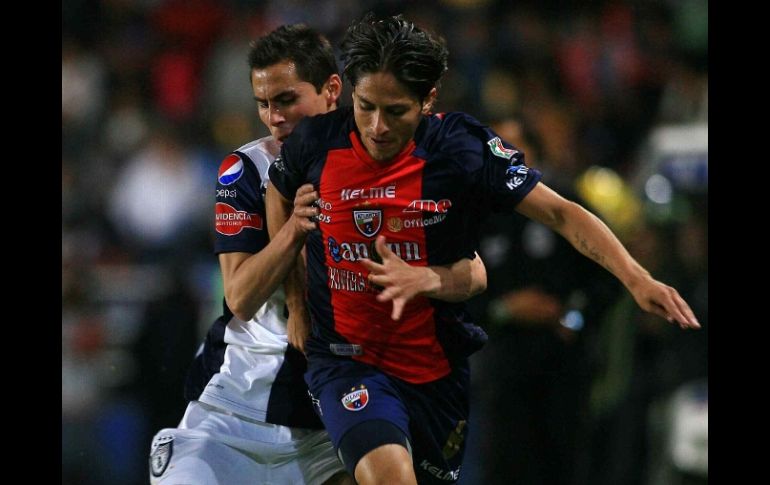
column 239, row 308
column 478, row 287
column 557, row 218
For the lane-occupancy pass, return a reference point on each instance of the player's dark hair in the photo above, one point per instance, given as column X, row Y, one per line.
column 415, row 57
column 311, row 53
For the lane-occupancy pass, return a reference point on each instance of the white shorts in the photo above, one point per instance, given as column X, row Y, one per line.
column 212, row 447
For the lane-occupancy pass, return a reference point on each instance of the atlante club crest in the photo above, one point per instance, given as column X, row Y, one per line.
column 356, row 399
column 368, row 222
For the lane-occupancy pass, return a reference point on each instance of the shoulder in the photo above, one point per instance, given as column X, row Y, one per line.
column 249, row 160
column 260, row 153
column 459, row 136
column 322, row 132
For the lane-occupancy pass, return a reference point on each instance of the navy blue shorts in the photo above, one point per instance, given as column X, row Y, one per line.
column 433, row 416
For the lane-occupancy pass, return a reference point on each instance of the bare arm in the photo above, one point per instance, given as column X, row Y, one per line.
column 279, row 212
column 250, row 279
column 402, row 282
column 589, row 235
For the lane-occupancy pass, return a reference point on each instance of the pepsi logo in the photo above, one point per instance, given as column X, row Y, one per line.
column 230, row 170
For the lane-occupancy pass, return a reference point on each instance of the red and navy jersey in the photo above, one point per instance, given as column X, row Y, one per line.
column 428, row 202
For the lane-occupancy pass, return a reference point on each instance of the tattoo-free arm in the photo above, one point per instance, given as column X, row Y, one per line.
column 250, row 279
column 402, row 282
column 279, row 213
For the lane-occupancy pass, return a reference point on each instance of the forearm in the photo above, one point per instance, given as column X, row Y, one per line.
column 258, row 276
column 589, row 235
column 294, row 284
column 278, row 213
column 456, row 282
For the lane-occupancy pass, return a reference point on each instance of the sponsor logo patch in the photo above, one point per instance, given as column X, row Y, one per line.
column 446, row 475
column 316, row 402
column 427, row 205
column 429, row 221
column 395, row 224
column 279, row 164
column 357, row 250
column 356, row 399
column 343, row 279
column 162, row 449
column 230, row 221
column 388, row 192
column 334, row 249
column 230, row 170
column 496, row 145
column 455, row 440
column 225, row 193
column 368, row 222
column 515, row 176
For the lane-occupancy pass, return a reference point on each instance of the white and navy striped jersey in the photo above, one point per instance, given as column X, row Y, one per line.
column 248, row 368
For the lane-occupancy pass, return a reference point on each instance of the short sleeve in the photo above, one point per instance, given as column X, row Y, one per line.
column 239, row 213
column 504, row 178
column 286, row 172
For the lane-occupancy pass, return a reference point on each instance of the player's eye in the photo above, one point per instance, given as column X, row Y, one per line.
column 397, row 111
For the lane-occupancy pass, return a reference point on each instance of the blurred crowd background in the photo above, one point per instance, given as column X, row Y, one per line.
column 608, row 98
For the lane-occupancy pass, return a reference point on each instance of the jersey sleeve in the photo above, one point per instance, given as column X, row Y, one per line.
column 503, row 178
column 286, row 173
column 239, row 213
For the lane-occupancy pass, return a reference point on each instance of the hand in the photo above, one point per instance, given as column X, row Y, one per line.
column 304, row 210
column 528, row 306
column 663, row 300
column 401, row 282
column 298, row 327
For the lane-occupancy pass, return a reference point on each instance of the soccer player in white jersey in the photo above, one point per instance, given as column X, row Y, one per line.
column 250, row 418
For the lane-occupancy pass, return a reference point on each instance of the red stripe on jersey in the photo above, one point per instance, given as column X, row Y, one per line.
column 363, row 199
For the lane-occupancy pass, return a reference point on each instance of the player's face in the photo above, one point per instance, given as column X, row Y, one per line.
column 283, row 99
column 387, row 114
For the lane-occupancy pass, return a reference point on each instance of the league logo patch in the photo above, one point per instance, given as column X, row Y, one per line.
column 230, row 221
column 162, row 449
column 230, row 170
column 516, row 175
column 279, row 165
column 368, row 222
column 496, row 145
column 356, row 399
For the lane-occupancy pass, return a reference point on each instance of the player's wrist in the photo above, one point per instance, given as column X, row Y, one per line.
column 431, row 282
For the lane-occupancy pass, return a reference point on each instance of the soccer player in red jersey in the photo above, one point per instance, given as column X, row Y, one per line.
column 401, row 189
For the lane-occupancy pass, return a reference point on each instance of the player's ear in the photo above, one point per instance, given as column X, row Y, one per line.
column 333, row 89
column 427, row 103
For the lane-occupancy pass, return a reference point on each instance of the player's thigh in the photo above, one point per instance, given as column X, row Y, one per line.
column 176, row 458
column 314, row 462
column 360, row 407
column 438, row 424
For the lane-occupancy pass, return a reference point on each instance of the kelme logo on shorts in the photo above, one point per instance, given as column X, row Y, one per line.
column 498, row 149
column 356, row 399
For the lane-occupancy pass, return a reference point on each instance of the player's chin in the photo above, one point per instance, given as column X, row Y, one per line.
column 282, row 135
